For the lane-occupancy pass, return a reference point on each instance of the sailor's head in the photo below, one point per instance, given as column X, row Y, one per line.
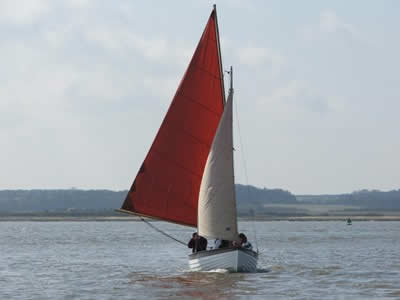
column 242, row 237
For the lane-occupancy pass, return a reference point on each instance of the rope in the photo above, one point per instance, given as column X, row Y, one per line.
column 245, row 173
column 162, row 232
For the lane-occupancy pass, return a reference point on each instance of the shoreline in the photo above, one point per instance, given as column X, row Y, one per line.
column 136, row 219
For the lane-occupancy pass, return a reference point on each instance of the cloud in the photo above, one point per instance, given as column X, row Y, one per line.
column 121, row 41
column 298, row 96
column 142, row 52
column 162, row 87
column 86, row 61
column 23, row 11
column 85, row 84
column 253, row 56
column 78, row 3
column 331, row 24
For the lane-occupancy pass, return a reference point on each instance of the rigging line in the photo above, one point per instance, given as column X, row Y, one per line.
column 162, row 232
column 245, row 173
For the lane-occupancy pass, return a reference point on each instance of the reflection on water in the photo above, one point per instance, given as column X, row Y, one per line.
column 218, row 284
column 128, row 260
column 204, row 285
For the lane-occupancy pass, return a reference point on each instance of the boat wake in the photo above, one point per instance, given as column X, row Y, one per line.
column 221, row 271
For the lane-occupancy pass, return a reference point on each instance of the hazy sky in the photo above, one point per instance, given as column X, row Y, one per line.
column 84, row 86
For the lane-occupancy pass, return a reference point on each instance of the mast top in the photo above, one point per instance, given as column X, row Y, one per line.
column 231, row 76
column 230, row 72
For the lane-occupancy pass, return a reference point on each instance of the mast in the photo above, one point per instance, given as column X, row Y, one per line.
column 219, row 53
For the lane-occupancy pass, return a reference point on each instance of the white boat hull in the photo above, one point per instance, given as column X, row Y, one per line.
column 231, row 259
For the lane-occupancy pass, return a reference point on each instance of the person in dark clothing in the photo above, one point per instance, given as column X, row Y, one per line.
column 243, row 242
column 197, row 243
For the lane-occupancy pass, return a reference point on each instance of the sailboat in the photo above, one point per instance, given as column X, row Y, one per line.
column 187, row 176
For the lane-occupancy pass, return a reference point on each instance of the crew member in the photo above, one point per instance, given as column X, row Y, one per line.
column 197, row 243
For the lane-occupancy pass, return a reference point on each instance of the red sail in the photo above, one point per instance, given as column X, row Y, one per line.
column 168, row 182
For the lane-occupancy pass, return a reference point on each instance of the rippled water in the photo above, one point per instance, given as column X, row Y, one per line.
column 129, row 260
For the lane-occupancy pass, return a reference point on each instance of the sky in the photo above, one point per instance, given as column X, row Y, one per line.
column 85, row 84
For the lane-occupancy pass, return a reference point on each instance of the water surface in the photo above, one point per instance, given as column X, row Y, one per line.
column 129, row 260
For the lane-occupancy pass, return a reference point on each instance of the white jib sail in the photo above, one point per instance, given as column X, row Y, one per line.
column 217, row 201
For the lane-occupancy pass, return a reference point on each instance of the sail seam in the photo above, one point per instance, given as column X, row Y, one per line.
column 202, row 105
column 208, row 72
column 195, row 138
column 163, row 157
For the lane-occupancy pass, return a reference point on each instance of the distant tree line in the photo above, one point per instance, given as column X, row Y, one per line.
column 248, row 198
column 372, row 200
column 59, row 200
column 251, row 200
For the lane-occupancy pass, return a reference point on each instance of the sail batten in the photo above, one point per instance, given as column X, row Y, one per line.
column 168, row 182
